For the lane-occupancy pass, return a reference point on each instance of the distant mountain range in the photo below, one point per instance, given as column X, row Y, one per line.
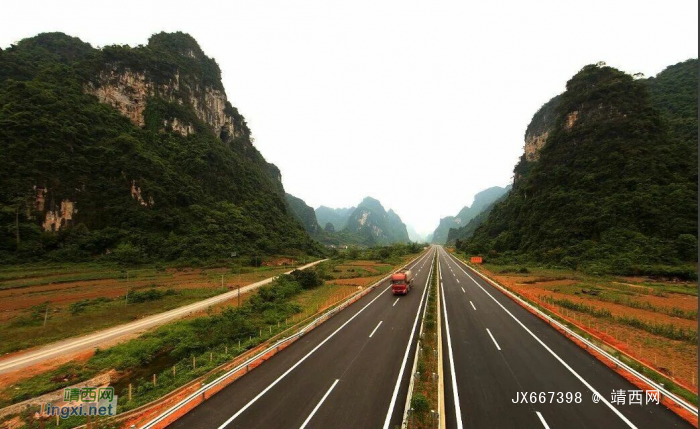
column 367, row 224
column 482, row 200
column 415, row 236
column 338, row 218
column 375, row 225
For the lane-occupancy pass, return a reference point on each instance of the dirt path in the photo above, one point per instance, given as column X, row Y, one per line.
column 88, row 342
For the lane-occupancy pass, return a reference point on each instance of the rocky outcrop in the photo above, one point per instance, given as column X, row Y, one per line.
column 533, row 145
column 136, row 194
column 61, row 218
column 128, row 91
column 539, row 129
column 182, row 128
column 571, row 119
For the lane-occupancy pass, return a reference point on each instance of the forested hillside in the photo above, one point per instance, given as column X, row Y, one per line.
column 304, row 214
column 131, row 154
column 482, row 200
column 612, row 185
column 456, row 235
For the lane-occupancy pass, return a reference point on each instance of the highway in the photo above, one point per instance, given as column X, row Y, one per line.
column 494, row 349
column 95, row 339
column 350, row 372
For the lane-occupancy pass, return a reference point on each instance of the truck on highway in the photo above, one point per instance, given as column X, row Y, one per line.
column 401, row 282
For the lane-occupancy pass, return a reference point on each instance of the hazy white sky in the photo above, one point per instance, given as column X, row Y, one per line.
column 419, row 104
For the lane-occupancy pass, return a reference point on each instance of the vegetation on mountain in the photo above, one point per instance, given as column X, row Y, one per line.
column 304, row 214
column 375, row 225
column 614, row 188
column 456, row 235
column 123, row 192
column 482, row 200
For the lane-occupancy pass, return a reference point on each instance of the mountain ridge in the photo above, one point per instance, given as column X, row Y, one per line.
column 131, row 154
column 615, row 144
column 482, row 200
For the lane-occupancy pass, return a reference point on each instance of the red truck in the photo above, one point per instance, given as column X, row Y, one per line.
column 401, row 282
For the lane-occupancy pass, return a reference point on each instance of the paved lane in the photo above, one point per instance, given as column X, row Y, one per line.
column 350, row 372
column 500, row 349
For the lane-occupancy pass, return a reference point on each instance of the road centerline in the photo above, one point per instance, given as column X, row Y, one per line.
column 455, row 391
column 299, row 362
column 544, row 422
column 375, row 329
column 556, row 356
column 493, row 339
column 308, row 419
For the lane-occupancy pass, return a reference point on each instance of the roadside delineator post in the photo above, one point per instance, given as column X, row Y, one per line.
column 129, row 392
column 154, row 380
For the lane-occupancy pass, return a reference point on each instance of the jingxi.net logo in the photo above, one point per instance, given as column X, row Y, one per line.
column 85, row 401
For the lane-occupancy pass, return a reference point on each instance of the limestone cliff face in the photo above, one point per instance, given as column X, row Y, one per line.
column 56, row 216
column 536, row 136
column 539, row 128
column 129, row 91
column 533, row 144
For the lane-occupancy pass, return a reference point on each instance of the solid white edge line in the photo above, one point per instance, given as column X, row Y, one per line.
column 455, row 391
column 308, row 419
column 571, row 370
column 405, row 357
column 375, row 329
column 544, row 423
column 472, row 305
column 271, row 385
column 394, row 304
column 493, row 339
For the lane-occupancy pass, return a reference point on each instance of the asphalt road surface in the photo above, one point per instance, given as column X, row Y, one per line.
column 350, row 372
column 494, row 348
column 95, row 339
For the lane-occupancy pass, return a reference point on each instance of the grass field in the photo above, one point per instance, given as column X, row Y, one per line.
column 651, row 320
column 42, row 305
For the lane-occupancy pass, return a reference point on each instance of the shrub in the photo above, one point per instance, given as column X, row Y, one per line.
column 420, row 404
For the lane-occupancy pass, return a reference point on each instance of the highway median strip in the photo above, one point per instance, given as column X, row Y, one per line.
column 425, row 400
